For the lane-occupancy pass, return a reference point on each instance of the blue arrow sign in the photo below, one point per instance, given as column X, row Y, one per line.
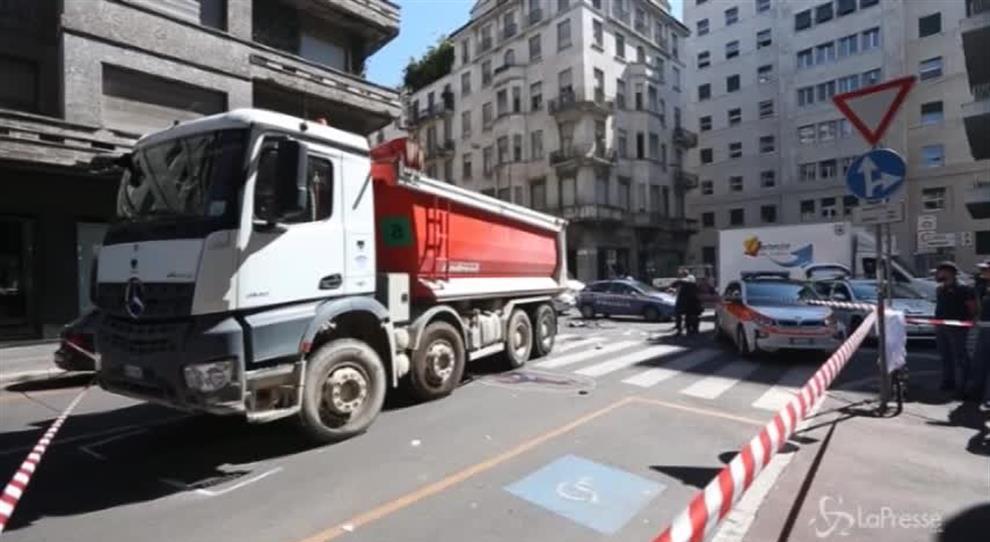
column 876, row 175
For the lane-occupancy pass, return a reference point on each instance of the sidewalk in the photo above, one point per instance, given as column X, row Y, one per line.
column 28, row 362
column 923, row 475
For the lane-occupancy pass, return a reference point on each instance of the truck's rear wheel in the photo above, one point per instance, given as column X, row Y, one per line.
column 438, row 363
column 545, row 332
column 344, row 391
column 518, row 338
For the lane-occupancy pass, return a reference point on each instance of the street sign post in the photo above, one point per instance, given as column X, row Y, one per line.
column 875, row 177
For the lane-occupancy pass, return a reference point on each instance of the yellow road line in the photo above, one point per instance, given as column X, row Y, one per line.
column 699, row 410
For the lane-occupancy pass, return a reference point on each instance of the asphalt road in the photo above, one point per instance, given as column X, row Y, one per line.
column 606, row 438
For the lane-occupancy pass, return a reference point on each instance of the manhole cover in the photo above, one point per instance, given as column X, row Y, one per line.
column 529, row 379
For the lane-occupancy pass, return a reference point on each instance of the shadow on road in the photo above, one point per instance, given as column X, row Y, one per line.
column 74, row 380
column 966, row 525
column 968, row 415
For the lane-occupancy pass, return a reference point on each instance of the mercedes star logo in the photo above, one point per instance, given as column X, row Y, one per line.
column 133, row 294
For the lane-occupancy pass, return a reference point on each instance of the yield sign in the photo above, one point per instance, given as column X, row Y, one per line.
column 871, row 109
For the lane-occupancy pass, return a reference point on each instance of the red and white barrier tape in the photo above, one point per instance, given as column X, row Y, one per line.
column 865, row 307
column 713, row 503
column 18, row 484
column 941, row 322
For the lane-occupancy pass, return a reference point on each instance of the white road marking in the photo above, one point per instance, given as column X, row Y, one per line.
column 716, row 384
column 627, row 360
column 559, row 348
column 566, row 336
column 784, row 389
column 578, row 357
column 656, row 375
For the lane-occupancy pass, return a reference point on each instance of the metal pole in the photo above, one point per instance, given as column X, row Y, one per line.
column 881, row 323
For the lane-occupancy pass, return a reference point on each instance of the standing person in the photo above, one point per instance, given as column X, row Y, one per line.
column 688, row 304
column 954, row 301
column 981, row 358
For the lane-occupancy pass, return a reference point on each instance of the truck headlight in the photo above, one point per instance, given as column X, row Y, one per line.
column 209, row 377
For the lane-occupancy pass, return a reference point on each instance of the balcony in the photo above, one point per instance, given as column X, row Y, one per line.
column 569, row 104
column 978, row 199
column 684, row 180
column 439, row 149
column 506, row 72
column 975, row 30
column 574, row 157
column 441, row 109
column 592, row 213
column 684, row 138
column 976, row 118
column 535, row 16
column 376, row 21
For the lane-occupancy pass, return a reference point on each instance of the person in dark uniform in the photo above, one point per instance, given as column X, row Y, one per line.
column 688, row 304
column 981, row 358
column 954, row 301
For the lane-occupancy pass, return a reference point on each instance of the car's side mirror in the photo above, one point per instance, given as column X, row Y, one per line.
column 280, row 188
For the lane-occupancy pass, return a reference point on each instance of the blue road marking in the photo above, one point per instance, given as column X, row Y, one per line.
column 597, row 496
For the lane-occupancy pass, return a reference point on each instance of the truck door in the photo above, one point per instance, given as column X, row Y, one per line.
column 302, row 257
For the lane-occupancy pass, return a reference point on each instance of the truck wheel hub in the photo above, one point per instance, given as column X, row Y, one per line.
column 546, row 333
column 519, row 340
column 346, row 390
column 440, row 361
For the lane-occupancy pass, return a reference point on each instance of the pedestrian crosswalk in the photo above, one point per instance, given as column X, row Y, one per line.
column 706, row 372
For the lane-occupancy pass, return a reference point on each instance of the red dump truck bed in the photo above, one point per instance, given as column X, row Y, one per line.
column 458, row 244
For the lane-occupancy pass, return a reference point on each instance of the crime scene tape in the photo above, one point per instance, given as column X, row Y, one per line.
column 865, row 307
column 943, row 322
column 19, row 482
column 713, row 503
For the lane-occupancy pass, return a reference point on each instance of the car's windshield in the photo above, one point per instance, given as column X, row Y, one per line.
column 196, row 176
column 867, row 290
column 777, row 293
column 645, row 288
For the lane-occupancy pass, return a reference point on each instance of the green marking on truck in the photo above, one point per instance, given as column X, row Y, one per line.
column 396, row 231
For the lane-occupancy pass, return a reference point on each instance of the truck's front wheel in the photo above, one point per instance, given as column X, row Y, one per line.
column 344, row 390
column 438, row 363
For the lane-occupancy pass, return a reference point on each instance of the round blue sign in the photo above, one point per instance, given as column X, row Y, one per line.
column 876, row 174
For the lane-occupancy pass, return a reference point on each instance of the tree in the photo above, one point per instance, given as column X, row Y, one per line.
column 435, row 63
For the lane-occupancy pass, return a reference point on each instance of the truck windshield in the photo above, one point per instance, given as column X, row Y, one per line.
column 194, row 176
column 777, row 293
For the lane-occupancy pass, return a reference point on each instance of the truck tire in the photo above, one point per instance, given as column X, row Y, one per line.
column 344, row 390
column 438, row 364
column 545, row 331
column 518, row 338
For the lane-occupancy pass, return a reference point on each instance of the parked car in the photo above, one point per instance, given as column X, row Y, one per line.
column 903, row 298
column 625, row 297
column 77, row 338
column 567, row 300
column 765, row 313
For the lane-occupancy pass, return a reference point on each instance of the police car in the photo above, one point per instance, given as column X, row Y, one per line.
column 625, row 297
column 764, row 312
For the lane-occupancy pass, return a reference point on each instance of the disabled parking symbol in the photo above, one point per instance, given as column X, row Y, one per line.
column 596, row 496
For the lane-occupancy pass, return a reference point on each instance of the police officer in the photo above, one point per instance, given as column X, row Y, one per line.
column 981, row 358
column 954, row 301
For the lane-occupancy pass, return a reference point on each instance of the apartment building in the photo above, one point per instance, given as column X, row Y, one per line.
column 976, row 43
column 773, row 149
column 87, row 77
column 572, row 107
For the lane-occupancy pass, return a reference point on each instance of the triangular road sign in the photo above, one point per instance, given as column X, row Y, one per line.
column 871, row 109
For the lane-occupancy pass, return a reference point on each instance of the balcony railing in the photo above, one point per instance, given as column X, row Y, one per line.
column 535, row 15
column 598, row 154
column 594, row 212
column 436, row 149
column 684, row 138
column 568, row 100
column 685, row 180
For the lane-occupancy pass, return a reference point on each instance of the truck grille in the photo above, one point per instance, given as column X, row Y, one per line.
column 141, row 338
column 161, row 299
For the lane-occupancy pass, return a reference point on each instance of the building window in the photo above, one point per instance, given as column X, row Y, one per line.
column 806, row 134
column 735, row 116
column 806, row 96
column 845, row 7
column 602, row 188
column 563, row 35
column 486, row 73
column 702, row 27
column 768, row 144
column 824, row 53
column 933, row 199
column 845, row 129
column 849, row 203
column 763, row 5
column 848, row 45
column 536, row 145
column 732, row 83
column 620, row 93
column 502, row 102
column 704, row 92
column 487, row 116
column 929, row 24
column 933, row 155
column 465, row 51
column 623, row 193
column 805, row 59
column 826, row 169
column 871, row 39
column 707, row 188
column 735, row 184
column 764, row 73
column 466, row 84
column 538, row 194
column 802, row 20
column 768, row 214
column 807, row 210
column 708, row 219
column 826, row 90
column 535, row 47
column 487, row 157
column 736, row 217
column 654, row 146
column 731, row 16
column 735, row 149
column 982, row 242
column 766, row 109
column 707, row 156
column 517, row 145
column 846, row 163
column 705, row 123
column 732, row 49
column 622, row 142
column 503, row 149
column 466, row 160
column 763, row 39
column 871, row 77
column 704, row 59
column 676, row 73
column 931, row 113
column 808, row 172
column 620, row 45
column 598, row 34
column 640, row 146
column 823, row 13
column 848, row 83
column 930, row 69
column 516, row 99
column 826, row 131
column 768, row 179
column 829, row 208
column 466, row 124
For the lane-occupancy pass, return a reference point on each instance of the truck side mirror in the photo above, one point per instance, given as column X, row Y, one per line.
column 280, row 188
